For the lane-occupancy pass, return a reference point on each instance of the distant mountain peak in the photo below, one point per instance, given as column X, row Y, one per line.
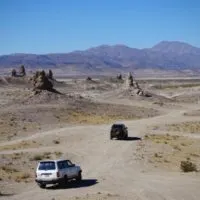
column 170, row 43
column 175, row 47
column 106, row 46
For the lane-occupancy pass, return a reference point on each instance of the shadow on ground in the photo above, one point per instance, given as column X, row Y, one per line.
column 5, row 195
column 55, row 91
column 74, row 184
column 130, row 139
column 133, row 138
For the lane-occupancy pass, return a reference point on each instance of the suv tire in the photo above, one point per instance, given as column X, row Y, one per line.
column 79, row 177
column 42, row 185
column 64, row 181
column 126, row 137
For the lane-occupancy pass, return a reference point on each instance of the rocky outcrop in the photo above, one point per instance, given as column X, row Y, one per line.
column 50, row 75
column 119, row 76
column 88, row 78
column 134, row 86
column 21, row 73
column 41, row 81
column 13, row 73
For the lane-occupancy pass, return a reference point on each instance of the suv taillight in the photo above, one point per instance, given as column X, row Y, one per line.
column 58, row 174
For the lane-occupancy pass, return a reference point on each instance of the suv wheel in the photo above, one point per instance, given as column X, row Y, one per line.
column 111, row 137
column 119, row 137
column 79, row 177
column 126, row 137
column 41, row 185
column 65, row 180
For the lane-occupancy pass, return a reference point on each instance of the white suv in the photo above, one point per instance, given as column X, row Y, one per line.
column 57, row 171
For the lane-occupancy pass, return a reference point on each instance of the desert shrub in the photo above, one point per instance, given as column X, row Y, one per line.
column 158, row 155
column 176, row 147
column 146, row 136
column 155, row 155
column 56, row 141
column 37, row 157
column 8, row 169
column 195, row 155
column 89, row 78
column 23, row 176
column 188, row 166
column 58, row 153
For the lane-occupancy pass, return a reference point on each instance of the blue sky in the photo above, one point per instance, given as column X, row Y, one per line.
column 50, row 26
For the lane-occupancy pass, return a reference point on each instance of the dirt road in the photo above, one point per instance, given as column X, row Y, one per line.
column 110, row 168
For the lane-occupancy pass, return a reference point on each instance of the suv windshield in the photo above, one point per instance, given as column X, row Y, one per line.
column 47, row 165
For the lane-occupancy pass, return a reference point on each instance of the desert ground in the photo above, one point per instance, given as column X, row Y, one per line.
column 75, row 122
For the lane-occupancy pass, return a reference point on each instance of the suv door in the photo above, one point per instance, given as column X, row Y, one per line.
column 72, row 169
column 63, row 168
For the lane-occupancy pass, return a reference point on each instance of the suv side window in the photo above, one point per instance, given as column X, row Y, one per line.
column 69, row 163
column 63, row 164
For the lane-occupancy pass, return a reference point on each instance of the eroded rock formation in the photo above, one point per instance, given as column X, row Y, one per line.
column 41, row 81
column 134, row 86
column 20, row 73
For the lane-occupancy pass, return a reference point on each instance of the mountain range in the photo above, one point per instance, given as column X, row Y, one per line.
column 166, row 55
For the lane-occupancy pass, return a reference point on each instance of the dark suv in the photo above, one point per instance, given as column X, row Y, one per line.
column 119, row 131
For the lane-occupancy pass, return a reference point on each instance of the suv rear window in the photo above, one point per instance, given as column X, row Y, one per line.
column 50, row 165
column 117, row 126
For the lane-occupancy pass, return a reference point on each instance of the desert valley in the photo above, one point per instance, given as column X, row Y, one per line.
column 99, row 100
column 72, row 119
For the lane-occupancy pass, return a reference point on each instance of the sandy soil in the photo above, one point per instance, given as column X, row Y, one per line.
column 76, row 125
